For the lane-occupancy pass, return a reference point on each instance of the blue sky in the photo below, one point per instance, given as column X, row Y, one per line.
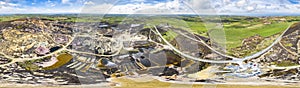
column 151, row 6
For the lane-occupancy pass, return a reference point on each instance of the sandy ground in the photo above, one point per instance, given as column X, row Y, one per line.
column 147, row 81
column 125, row 82
column 14, row 85
column 129, row 83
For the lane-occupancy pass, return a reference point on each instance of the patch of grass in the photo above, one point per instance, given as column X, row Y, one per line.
column 170, row 35
column 288, row 45
column 8, row 18
column 235, row 36
column 29, row 65
column 197, row 27
column 286, row 64
column 268, row 30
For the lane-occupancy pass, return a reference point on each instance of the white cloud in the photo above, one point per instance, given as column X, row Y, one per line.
column 9, row 10
column 256, row 6
column 169, row 7
column 52, row 5
column 2, row 3
column 65, row 1
column 89, row 3
column 241, row 3
column 204, row 6
column 8, row 7
column 102, row 8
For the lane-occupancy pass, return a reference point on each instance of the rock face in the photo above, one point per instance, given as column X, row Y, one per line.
column 252, row 43
column 4, row 60
column 107, row 63
column 23, row 37
column 146, row 62
column 283, row 54
column 42, row 50
column 252, row 39
column 169, row 72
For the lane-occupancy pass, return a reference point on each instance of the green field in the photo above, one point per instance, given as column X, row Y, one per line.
column 235, row 36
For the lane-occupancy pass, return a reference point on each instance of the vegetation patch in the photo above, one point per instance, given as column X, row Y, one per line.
column 29, row 65
column 170, row 35
column 286, row 63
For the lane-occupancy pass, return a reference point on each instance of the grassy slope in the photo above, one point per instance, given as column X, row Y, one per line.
column 234, row 36
column 8, row 18
column 170, row 35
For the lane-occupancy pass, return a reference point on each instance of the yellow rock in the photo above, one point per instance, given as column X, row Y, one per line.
column 204, row 74
column 62, row 60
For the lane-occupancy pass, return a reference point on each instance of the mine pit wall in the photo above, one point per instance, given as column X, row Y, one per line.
column 298, row 47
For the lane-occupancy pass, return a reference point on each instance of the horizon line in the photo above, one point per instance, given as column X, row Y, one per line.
column 209, row 14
